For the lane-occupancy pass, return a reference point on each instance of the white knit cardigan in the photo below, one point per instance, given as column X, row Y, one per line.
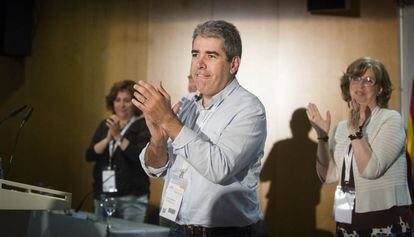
column 383, row 183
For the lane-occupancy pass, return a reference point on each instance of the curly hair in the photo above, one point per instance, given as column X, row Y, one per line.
column 358, row 68
column 125, row 85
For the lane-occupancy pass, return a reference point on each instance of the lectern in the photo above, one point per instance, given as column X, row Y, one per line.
column 18, row 196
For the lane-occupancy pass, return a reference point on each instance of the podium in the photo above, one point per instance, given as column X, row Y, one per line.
column 18, row 196
column 61, row 224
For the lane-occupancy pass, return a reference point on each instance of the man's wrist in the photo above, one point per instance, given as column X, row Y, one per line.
column 167, row 121
column 171, row 126
column 154, row 154
column 157, row 143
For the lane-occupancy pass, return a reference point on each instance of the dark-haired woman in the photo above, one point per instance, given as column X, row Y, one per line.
column 115, row 147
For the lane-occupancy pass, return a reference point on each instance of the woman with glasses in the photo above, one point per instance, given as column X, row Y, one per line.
column 366, row 156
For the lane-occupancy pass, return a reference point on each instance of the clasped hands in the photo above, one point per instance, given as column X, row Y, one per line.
column 114, row 132
column 155, row 104
column 357, row 116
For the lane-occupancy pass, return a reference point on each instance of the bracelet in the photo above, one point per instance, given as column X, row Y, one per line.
column 325, row 138
column 357, row 135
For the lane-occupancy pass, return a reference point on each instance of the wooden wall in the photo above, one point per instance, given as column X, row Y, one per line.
column 80, row 48
column 290, row 57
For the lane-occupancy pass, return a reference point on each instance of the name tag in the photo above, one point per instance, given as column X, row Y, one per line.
column 108, row 181
column 343, row 205
column 173, row 198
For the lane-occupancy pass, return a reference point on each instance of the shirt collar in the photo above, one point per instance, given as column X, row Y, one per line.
column 219, row 97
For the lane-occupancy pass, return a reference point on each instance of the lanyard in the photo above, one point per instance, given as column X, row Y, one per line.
column 113, row 145
column 201, row 123
column 349, row 153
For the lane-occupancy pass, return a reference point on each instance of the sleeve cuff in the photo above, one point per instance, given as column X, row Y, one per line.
column 152, row 172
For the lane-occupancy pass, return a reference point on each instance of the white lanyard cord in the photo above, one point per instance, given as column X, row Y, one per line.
column 113, row 145
column 348, row 159
column 186, row 165
column 349, row 153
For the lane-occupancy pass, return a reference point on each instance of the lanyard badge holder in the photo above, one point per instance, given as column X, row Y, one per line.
column 344, row 196
column 108, row 179
column 174, row 194
column 108, row 174
column 343, row 205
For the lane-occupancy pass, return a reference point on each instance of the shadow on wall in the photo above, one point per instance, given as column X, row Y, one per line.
column 12, row 76
column 294, row 185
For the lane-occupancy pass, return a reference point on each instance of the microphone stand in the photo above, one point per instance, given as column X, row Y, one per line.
column 6, row 175
column 12, row 114
column 16, row 141
column 83, row 201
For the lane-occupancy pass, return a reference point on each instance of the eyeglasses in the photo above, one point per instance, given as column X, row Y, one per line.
column 366, row 81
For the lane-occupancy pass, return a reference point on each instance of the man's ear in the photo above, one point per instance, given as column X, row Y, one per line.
column 235, row 63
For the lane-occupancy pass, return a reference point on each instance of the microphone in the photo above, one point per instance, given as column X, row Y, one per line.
column 26, row 116
column 24, row 120
column 14, row 113
column 197, row 97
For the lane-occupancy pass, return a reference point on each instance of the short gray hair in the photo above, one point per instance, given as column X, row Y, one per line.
column 222, row 30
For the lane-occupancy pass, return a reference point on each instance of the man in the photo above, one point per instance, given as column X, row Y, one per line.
column 209, row 146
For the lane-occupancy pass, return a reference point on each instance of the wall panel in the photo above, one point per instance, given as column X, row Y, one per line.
column 290, row 58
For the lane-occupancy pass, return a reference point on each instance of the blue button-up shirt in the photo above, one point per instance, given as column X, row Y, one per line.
column 221, row 144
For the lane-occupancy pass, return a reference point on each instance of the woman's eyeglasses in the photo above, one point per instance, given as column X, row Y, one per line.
column 366, row 81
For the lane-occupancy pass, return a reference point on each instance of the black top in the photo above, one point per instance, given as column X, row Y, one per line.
column 129, row 175
column 376, row 219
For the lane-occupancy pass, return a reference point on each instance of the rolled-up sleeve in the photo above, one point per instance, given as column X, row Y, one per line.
column 152, row 172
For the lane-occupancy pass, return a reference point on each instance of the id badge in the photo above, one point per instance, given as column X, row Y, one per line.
column 343, row 205
column 108, row 181
column 173, row 198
